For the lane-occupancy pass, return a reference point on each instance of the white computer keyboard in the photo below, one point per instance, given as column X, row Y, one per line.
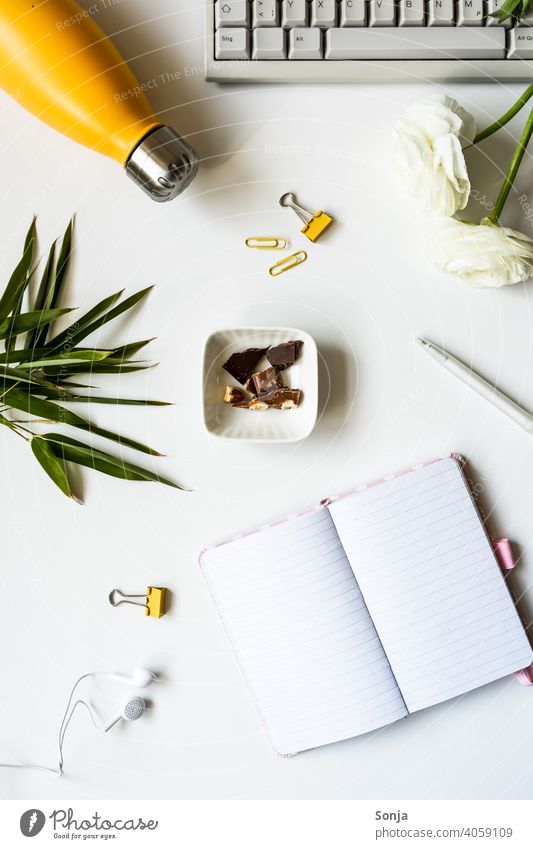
column 363, row 41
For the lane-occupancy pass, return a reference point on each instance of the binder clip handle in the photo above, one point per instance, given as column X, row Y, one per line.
column 289, row 200
column 126, row 598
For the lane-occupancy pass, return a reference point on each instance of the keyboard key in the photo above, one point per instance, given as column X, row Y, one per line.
column 306, row 43
column 232, row 44
column 269, row 43
column 382, row 13
column 470, row 13
column 353, row 13
column 324, row 13
column 294, row 13
column 265, row 13
column 441, row 13
column 415, row 43
column 493, row 6
column 412, row 13
column 521, row 43
column 232, row 13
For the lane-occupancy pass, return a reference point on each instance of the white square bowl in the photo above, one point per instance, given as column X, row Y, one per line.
column 225, row 421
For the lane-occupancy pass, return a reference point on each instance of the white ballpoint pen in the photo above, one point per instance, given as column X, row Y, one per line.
column 511, row 409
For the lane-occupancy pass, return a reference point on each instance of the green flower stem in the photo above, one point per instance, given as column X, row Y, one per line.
column 513, row 169
column 506, row 117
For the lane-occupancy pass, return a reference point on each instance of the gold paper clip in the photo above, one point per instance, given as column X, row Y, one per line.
column 266, row 243
column 154, row 604
column 315, row 223
column 287, row 263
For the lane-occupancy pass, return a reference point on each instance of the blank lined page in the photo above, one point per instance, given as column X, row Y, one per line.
column 432, row 584
column 302, row 634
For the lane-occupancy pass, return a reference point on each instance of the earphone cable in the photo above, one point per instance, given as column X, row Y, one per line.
column 65, row 722
column 137, row 704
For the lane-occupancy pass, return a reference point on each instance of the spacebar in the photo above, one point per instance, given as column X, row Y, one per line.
column 416, row 43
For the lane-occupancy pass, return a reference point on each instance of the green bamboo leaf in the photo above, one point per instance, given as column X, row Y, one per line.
column 23, row 400
column 109, row 315
column 31, row 234
column 84, row 321
column 53, row 467
column 39, row 390
column 19, row 279
column 62, row 266
column 11, row 338
column 56, row 280
column 102, row 367
column 42, row 292
column 122, row 440
column 127, row 351
column 77, row 452
column 67, row 358
column 15, row 374
column 12, row 326
column 68, row 384
column 130, row 402
column 43, row 409
column 27, row 356
column 46, row 278
column 8, row 373
column 29, row 245
column 63, row 393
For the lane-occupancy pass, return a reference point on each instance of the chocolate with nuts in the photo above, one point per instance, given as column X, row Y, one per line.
column 282, row 399
column 234, row 395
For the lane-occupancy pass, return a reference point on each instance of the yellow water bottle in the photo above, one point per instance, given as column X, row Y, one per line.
column 57, row 62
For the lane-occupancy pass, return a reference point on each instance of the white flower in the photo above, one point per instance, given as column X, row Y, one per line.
column 427, row 154
column 481, row 255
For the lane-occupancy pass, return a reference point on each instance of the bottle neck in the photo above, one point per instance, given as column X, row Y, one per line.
column 163, row 164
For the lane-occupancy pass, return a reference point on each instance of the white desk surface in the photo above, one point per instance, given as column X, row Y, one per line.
column 365, row 292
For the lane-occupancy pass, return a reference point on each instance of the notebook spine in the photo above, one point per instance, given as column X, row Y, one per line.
column 506, row 558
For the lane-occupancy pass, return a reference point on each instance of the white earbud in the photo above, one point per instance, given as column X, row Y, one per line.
column 138, row 678
column 131, row 711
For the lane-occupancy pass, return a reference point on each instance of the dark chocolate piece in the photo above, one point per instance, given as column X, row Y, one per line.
column 267, row 380
column 282, row 399
column 285, row 355
column 242, row 365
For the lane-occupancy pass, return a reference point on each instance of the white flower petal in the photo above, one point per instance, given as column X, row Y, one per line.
column 481, row 255
column 427, row 154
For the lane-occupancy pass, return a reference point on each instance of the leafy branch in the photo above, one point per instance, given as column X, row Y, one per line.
column 36, row 378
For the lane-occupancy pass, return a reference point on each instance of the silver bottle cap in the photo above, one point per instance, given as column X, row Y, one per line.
column 163, row 164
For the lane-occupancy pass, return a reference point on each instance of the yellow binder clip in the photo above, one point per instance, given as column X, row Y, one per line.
column 287, row 263
column 266, row 243
column 315, row 224
column 154, row 600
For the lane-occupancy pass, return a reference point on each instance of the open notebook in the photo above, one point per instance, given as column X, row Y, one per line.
column 368, row 608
